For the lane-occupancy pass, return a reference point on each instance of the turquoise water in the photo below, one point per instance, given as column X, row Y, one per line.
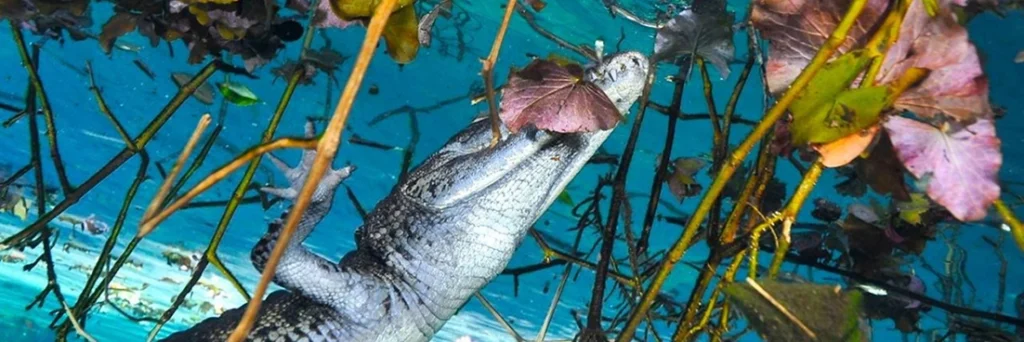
column 87, row 142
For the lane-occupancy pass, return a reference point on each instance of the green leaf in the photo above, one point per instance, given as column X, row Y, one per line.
column 831, row 314
column 932, row 7
column 564, row 198
column 238, row 93
column 827, row 110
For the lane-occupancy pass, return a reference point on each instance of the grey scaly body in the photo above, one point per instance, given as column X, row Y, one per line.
column 442, row 234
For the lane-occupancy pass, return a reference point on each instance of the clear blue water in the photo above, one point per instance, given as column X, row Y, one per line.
column 87, row 141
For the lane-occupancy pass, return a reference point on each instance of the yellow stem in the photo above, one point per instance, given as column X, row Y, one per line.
column 735, row 159
column 166, row 186
column 791, row 211
column 326, row 150
column 488, row 72
column 1016, row 227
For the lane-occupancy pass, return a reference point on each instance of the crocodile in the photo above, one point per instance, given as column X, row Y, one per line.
column 445, row 230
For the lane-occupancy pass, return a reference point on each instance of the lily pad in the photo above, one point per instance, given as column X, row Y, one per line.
column 832, row 314
column 238, row 93
column 705, row 30
column 961, row 163
column 556, row 98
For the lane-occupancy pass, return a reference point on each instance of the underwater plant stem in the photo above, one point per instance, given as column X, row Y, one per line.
column 243, row 184
column 52, row 285
column 532, row 21
column 16, row 175
column 32, row 66
column 326, row 149
column 733, row 161
column 166, row 186
column 140, row 142
column 684, row 334
column 223, row 172
column 488, row 72
column 1016, row 227
column 790, row 213
column 106, row 109
column 618, row 196
column 497, row 316
column 683, row 75
column 716, row 127
column 74, row 322
column 196, row 163
column 554, row 253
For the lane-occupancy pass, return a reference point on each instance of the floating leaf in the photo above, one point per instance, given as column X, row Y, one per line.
column 681, row 182
column 962, row 163
column 237, row 93
column 826, row 110
column 401, row 35
column 832, row 314
column 846, row 149
column 704, row 30
column 955, row 85
column 1020, row 57
column 118, row 25
column 204, row 93
column 556, row 98
column 796, row 29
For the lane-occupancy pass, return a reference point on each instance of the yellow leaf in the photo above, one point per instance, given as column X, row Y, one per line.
column 200, row 14
column 401, row 34
column 911, row 211
column 932, row 7
column 354, row 9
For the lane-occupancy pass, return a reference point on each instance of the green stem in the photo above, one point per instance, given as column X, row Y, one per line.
column 790, row 213
column 679, row 248
column 1016, row 227
column 51, row 129
column 19, row 238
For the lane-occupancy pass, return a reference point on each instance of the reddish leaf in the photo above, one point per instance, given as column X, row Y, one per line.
column 955, row 86
column 681, row 183
column 798, row 28
column 846, row 149
column 556, row 98
column 961, row 165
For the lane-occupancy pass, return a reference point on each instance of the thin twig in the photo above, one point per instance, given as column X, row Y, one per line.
column 147, row 135
column 803, row 327
column 166, row 186
column 497, row 315
column 326, row 149
column 74, row 322
column 488, row 72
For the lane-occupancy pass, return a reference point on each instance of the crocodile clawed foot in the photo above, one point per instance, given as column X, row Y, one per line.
column 297, row 175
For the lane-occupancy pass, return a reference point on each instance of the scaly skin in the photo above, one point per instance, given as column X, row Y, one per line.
column 440, row 236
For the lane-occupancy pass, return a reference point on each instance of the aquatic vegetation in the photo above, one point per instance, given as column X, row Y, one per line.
column 555, row 98
column 887, row 98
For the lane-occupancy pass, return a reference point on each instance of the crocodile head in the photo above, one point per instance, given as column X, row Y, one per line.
column 468, row 167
